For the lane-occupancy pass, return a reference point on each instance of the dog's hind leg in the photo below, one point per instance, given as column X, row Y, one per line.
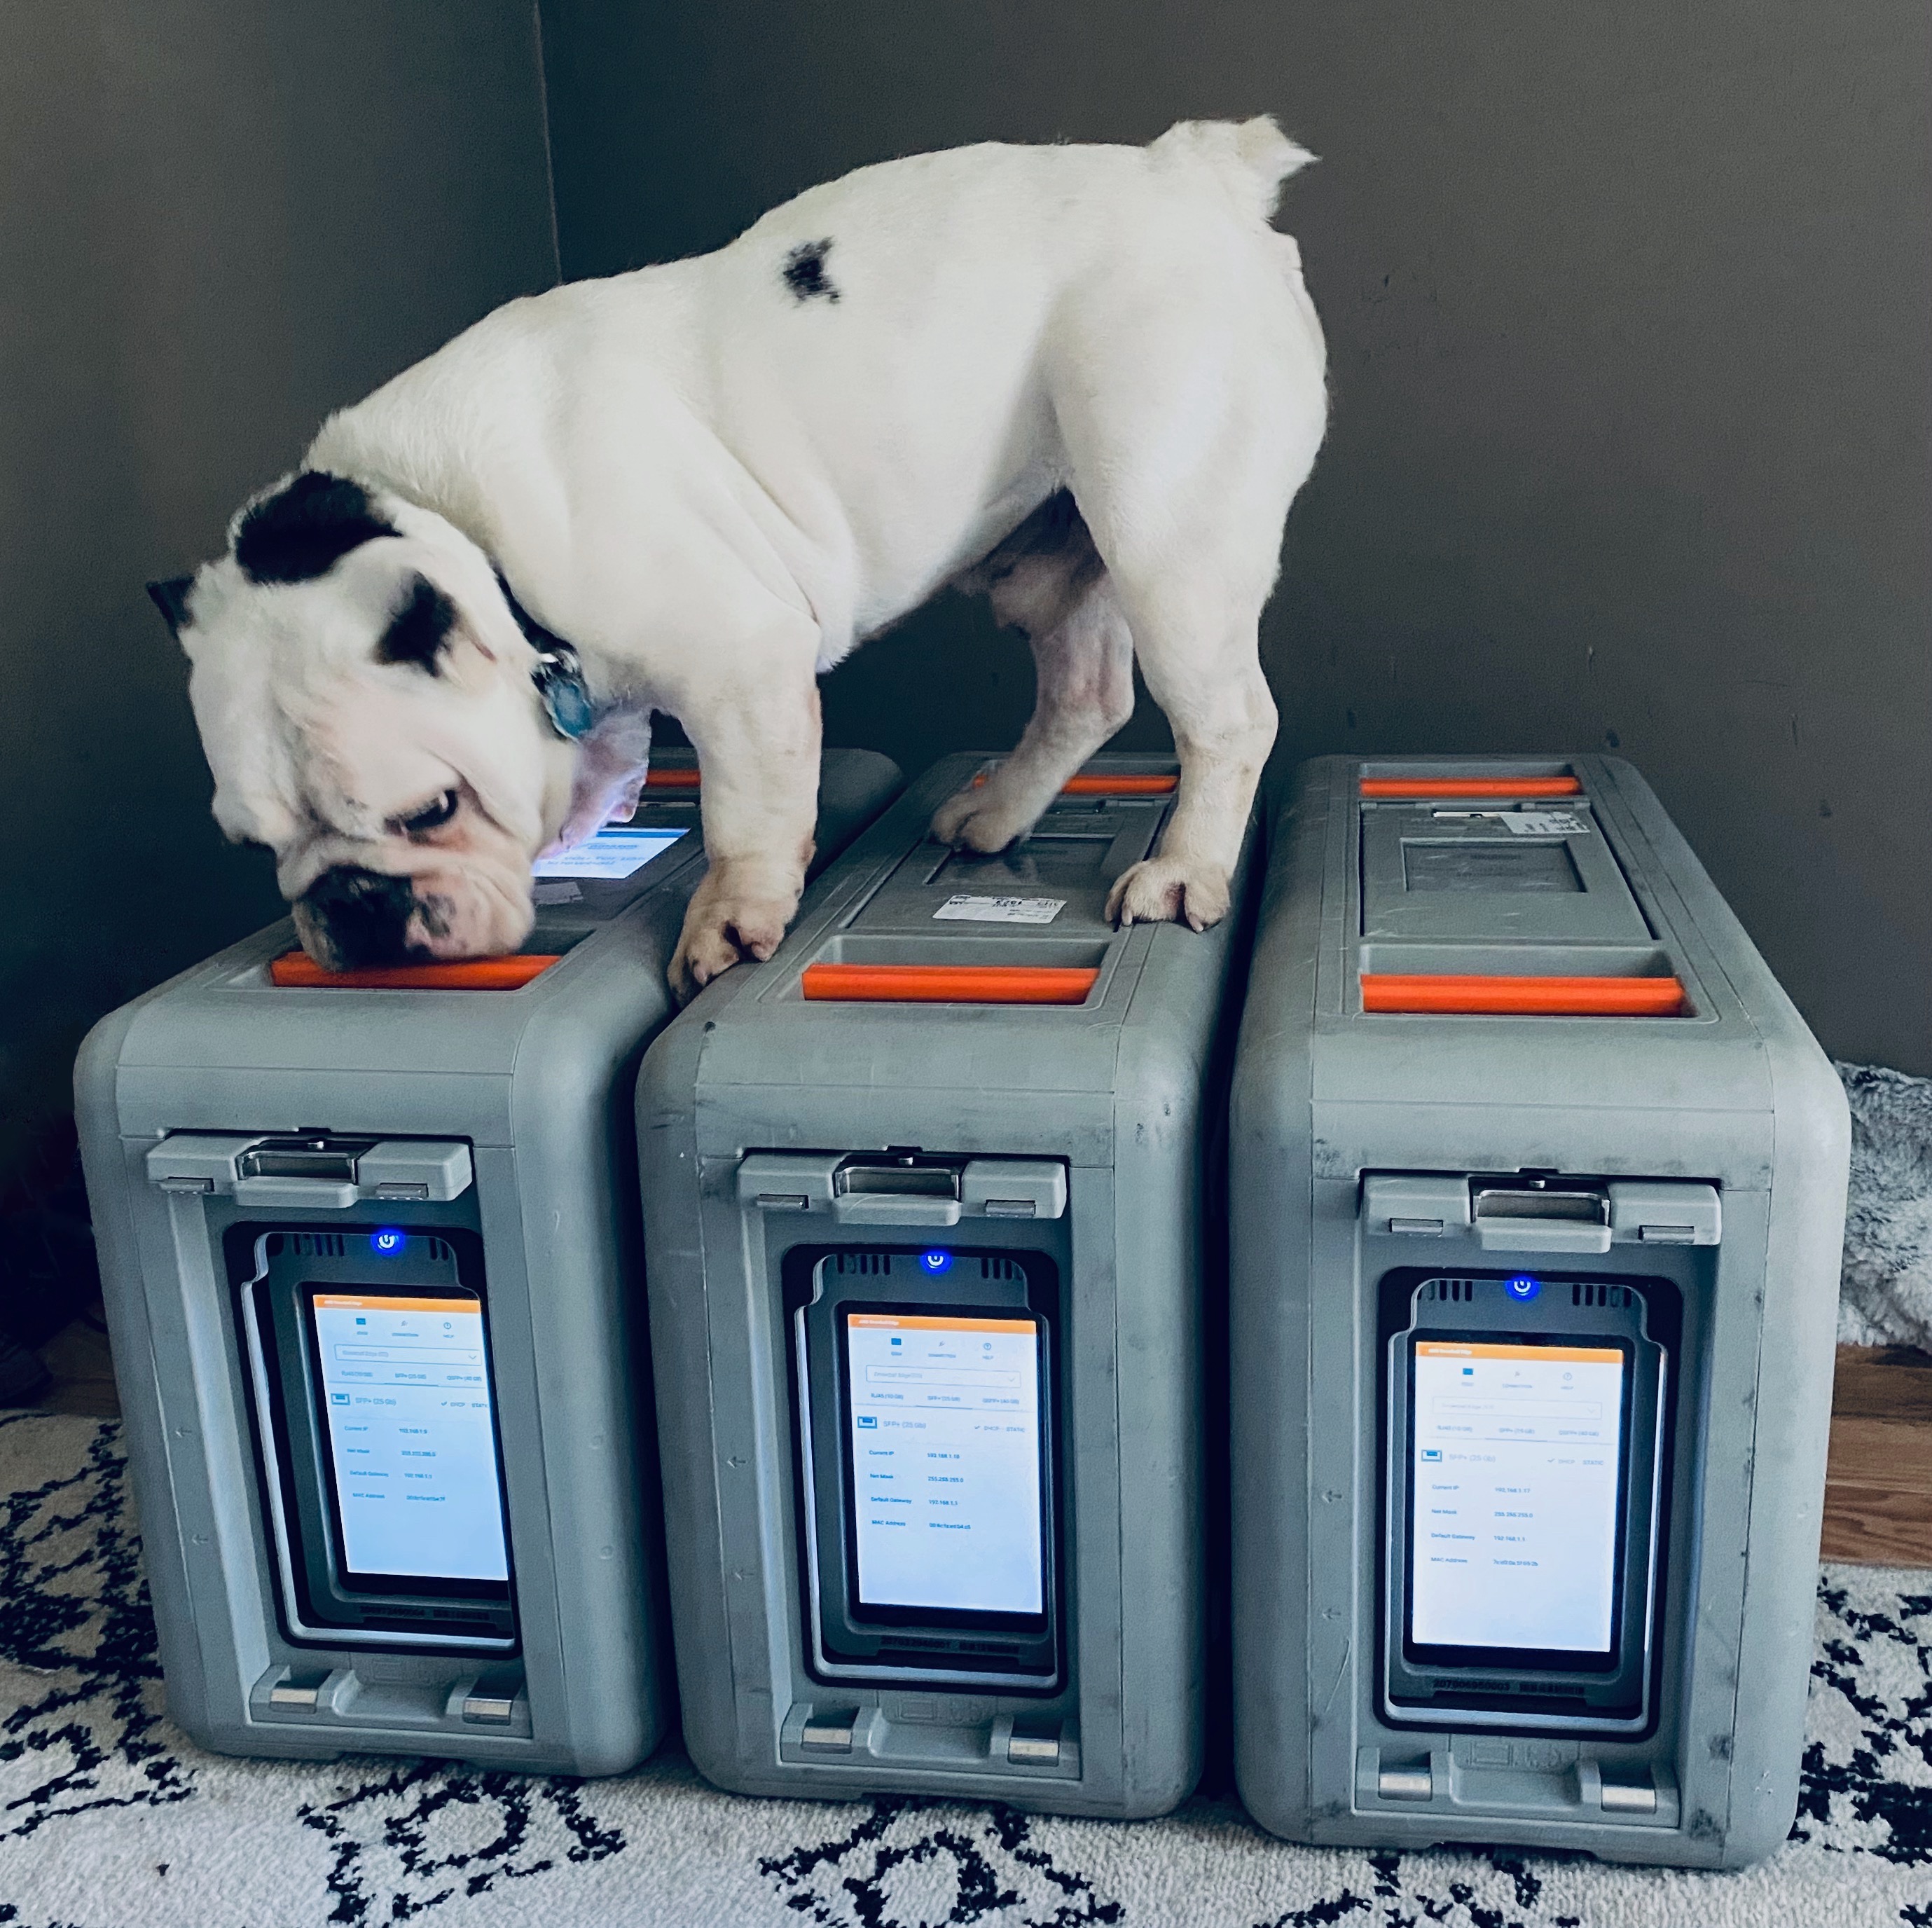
column 1188, row 386
column 1046, row 580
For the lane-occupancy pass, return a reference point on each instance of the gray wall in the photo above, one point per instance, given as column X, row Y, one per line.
column 218, row 219
column 1626, row 309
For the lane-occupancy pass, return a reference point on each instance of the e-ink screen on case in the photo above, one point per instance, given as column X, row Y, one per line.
column 612, row 854
column 945, row 1438
column 406, row 1390
column 1513, row 1520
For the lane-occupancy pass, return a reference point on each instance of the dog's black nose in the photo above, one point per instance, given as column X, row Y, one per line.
column 363, row 914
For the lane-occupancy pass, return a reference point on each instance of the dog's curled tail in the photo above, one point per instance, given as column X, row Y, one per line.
column 1251, row 158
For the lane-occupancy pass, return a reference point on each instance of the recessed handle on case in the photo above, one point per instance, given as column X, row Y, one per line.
column 1471, row 786
column 1523, row 997
column 948, row 983
column 1126, row 783
column 295, row 971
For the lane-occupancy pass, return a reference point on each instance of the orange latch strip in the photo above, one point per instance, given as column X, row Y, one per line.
column 295, row 971
column 1471, row 786
column 1097, row 783
column 948, row 983
column 675, row 778
column 1525, row 997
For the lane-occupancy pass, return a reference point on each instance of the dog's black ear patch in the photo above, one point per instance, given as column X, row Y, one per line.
column 418, row 632
column 171, row 599
column 804, row 272
column 302, row 531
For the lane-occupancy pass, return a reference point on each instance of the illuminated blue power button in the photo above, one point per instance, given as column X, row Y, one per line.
column 935, row 1261
column 386, row 1242
column 1522, row 1286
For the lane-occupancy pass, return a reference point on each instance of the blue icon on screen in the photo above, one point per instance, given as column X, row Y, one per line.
column 1432, row 1452
column 868, row 1419
column 936, row 1262
column 338, row 1399
column 1522, row 1286
column 388, row 1243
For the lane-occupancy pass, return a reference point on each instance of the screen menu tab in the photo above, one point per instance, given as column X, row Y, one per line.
column 614, row 853
column 1515, row 1482
column 944, row 1422
column 405, row 1393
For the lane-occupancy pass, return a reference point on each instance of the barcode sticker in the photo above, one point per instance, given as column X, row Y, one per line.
column 1543, row 823
column 1000, row 910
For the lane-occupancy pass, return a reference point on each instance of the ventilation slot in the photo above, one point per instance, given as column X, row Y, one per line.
column 443, row 1254
column 865, row 1264
column 1000, row 1269
column 317, row 1245
column 1457, row 1289
column 1607, row 1295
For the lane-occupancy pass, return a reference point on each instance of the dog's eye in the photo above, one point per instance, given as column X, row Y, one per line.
column 430, row 816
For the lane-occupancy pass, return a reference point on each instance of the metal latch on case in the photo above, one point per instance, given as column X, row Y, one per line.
column 310, row 1171
column 1540, row 1215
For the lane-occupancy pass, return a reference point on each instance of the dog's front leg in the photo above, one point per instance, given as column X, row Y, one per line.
column 758, row 747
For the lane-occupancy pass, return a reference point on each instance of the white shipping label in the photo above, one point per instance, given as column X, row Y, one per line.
column 1000, row 910
column 1543, row 823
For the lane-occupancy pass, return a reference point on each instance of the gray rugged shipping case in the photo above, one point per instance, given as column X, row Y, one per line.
column 768, row 1124
column 1678, row 1181
column 493, row 1125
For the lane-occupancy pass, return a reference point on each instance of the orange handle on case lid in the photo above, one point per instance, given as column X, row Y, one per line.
column 1471, row 786
column 1145, row 783
column 675, row 778
column 295, row 971
column 1525, row 997
column 948, row 983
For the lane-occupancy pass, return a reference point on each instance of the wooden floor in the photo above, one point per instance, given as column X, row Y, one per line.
column 1878, row 1485
column 1878, row 1489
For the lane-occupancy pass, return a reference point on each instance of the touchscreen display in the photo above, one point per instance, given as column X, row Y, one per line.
column 613, row 852
column 1513, row 1521
column 945, row 1439
column 406, row 1395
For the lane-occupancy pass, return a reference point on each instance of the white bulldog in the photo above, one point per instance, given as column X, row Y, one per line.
column 1088, row 380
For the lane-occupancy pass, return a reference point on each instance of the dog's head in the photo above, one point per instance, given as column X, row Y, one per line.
column 364, row 695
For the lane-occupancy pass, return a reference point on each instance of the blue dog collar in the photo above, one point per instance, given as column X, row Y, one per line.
column 559, row 675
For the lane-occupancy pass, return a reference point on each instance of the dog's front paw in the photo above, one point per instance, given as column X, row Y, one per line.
column 979, row 819
column 1159, row 889
column 722, row 929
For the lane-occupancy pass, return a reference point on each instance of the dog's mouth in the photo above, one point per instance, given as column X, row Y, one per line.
column 354, row 919
column 350, row 919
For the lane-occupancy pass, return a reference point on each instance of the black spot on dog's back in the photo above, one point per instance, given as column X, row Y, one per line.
column 419, row 631
column 804, row 272
column 302, row 531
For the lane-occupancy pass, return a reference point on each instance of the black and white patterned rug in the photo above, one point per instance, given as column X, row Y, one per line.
column 110, row 1818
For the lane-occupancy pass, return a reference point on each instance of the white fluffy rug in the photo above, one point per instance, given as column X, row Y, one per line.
column 108, row 1818
column 1885, row 1295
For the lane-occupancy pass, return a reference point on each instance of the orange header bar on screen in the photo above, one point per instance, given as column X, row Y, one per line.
column 1098, row 783
column 295, row 971
column 338, row 1301
column 677, row 777
column 1471, row 786
column 947, row 984
column 1523, row 997
column 1588, row 1355
column 914, row 1324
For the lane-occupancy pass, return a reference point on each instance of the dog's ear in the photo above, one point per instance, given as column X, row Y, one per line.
column 419, row 632
column 171, row 599
column 304, row 527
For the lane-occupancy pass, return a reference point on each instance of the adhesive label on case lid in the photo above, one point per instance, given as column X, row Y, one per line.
column 1000, row 910
column 1543, row 823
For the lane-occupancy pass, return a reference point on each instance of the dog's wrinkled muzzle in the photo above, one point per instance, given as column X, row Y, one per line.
column 350, row 919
